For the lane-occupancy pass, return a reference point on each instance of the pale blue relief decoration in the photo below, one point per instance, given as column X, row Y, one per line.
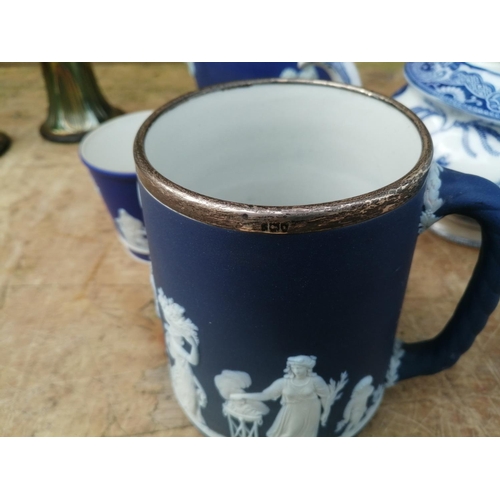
column 364, row 401
column 244, row 415
column 392, row 372
column 132, row 232
column 366, row 398
column 432, row 199
column 306, row 73
column 181, row 339
column 305, row 398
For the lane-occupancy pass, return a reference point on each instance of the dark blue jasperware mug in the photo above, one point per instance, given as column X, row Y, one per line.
column 107, row 151
column 282, row 218
column 211, row 73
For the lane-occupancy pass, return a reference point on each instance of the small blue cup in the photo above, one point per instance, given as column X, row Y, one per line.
column 211, row 73
column 107, row 151
column 282, row 218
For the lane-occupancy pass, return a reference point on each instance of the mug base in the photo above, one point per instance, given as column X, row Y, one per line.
column 459, row 229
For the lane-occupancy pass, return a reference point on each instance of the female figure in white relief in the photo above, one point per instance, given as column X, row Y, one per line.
column 181, row 338
column 303, row 397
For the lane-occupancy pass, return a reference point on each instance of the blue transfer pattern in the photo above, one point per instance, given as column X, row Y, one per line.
column 489, row 135
column 460, row 85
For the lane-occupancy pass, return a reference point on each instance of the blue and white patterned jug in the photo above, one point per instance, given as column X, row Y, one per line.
column 460, row 105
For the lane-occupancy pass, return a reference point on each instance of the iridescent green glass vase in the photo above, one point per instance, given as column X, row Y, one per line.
column 76, row 104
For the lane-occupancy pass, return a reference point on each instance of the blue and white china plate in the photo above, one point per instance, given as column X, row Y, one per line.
column 461, row 85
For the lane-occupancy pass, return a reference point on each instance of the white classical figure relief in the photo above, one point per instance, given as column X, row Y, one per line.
column 358, row 410
column 244, row 416
column 306, row 399
column 432, row 200
column 181, row 338
column 306, row 73
column 132, row 231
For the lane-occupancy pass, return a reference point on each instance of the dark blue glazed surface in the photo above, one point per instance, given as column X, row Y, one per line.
column 258, row 298
column 118, row 190
column 210, row 73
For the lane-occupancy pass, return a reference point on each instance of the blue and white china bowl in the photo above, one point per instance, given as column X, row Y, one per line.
column 211, row 73
column 460, row 105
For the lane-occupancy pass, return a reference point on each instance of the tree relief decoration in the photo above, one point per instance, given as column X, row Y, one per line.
column 181, row 338
column 392, row 372
column 132, row 231
column 305, row 398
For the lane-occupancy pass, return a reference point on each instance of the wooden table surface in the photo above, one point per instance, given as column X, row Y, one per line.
column 81, row 348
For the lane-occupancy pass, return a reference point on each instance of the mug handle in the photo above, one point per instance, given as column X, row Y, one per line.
column 450, row 192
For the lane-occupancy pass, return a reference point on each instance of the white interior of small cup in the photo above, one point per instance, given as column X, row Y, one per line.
column 283, row 144
column 110, row 146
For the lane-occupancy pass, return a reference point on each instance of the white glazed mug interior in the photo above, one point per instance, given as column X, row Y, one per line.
column 109, row 147
column 283, row 145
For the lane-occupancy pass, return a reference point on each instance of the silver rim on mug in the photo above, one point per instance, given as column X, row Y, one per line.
column 282, row 219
